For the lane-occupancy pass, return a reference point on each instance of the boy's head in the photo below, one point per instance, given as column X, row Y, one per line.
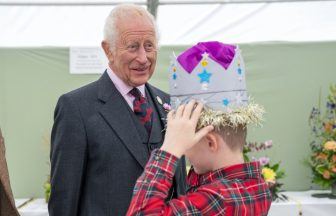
column 214, row 74
column 221, row 146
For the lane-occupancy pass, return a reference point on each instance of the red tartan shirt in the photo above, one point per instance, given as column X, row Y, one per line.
column 234, row 190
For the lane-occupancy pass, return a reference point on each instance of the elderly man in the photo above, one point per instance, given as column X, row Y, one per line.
column 104, row 132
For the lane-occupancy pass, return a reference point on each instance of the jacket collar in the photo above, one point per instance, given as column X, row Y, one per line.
column 239, row 171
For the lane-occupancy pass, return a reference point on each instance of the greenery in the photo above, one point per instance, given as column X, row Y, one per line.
column 47, row 189
column 270, row 172
column 323, row 146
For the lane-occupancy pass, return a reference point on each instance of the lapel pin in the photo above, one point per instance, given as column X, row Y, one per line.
column 159, row 100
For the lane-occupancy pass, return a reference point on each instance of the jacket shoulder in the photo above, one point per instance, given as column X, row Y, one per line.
column 159, row 92
column 84, row 91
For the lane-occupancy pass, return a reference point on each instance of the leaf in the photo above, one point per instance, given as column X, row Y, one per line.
column 322, row 182
column 275, row 167
column 280, row 174
column 320, row 169
column 246, row 158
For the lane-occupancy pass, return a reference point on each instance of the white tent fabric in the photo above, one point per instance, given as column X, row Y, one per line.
column 28, row 26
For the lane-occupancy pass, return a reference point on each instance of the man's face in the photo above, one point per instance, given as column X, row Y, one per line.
column 134, row 55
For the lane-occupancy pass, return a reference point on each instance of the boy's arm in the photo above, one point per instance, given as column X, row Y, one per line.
column 152, row 187
column 151, row 191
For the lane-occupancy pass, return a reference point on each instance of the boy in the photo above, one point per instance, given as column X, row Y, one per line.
column 220, row 183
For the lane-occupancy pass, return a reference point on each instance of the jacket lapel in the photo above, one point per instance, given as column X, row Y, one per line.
column 158, row 100
column 115, row 111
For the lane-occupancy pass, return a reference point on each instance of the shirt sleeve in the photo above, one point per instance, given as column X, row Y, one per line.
column 151, row 191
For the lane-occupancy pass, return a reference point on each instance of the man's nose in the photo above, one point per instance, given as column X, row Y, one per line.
column 142, row 55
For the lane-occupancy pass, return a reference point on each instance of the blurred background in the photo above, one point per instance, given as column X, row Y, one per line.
column 289, row 48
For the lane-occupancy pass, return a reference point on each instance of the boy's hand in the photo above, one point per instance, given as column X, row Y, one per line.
column 181, row 127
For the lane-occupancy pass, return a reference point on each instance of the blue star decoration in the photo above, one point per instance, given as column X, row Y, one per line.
column 226, row 102
column 204, row 76
column 239, row 71
column 174, row 76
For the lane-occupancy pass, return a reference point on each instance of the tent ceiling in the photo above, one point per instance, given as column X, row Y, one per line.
column 113, row 2
column 178, row 24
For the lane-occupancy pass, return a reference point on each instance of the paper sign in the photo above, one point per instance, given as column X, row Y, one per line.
column 87, row 60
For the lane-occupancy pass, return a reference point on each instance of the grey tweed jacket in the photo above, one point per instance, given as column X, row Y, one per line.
column 99, row 149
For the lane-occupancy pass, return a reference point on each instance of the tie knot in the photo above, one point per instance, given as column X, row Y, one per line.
column 136, row 93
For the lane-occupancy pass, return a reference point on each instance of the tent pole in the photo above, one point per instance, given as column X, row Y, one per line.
column 152, row 6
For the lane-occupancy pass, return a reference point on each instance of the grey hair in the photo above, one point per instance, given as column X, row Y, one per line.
column 123, row 11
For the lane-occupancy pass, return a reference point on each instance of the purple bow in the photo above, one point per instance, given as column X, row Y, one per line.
column 219, row 52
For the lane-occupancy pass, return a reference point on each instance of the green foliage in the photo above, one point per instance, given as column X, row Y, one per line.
column 47, row 190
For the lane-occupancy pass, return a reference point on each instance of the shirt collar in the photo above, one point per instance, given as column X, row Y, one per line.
column 239, row 171
column 122, row 87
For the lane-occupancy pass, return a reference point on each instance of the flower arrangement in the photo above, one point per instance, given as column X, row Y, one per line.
column 323, row 146
column 270, row 172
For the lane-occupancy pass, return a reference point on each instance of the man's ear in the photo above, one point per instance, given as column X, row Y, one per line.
column 106, row 47
column 212, row 141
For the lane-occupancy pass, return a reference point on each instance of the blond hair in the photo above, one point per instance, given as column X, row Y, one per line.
column 235, row 138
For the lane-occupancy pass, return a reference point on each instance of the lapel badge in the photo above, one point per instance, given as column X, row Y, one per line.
column 159, row 99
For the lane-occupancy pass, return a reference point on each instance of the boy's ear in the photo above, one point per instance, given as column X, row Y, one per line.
column 212, row 141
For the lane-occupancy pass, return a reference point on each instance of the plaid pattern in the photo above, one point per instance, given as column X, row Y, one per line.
column 142, row 109
column 236, row 190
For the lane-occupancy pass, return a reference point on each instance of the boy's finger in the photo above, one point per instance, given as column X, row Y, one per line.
column 170, row 115
column 188, row 109
column 179, row 111
column 197, row 112
column 204, row 131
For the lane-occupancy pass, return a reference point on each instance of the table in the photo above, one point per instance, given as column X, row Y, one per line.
column 297, row 202
column 32, row 207
column 305, row 203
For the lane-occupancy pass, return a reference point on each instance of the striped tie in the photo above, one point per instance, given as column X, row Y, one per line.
column 142, row 109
